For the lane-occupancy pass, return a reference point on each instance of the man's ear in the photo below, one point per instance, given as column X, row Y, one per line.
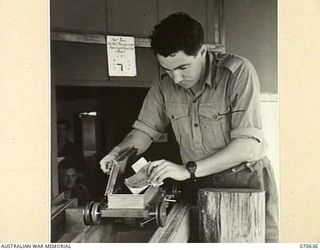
column 203, row 49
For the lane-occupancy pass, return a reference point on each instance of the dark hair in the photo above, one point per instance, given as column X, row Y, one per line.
column 177, row 32
column 68, row 163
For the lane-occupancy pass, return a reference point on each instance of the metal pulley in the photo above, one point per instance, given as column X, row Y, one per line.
column 161, row 213
column 92, row 214
column 175, row 190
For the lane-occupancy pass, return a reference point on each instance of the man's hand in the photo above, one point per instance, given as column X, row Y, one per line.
column 162, row 169
column 106, row 162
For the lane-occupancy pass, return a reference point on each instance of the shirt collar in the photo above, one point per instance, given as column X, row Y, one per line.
column 209, row 64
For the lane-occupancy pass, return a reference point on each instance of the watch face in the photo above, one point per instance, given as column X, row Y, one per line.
column 191, row 166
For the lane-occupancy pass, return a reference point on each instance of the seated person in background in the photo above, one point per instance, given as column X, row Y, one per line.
column 70, row 150
column 69, row 174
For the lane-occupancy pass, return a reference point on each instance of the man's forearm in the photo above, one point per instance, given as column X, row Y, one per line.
column 137, row 139
column 236, row 152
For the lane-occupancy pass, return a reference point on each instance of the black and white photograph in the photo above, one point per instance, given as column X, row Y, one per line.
column 164, row 121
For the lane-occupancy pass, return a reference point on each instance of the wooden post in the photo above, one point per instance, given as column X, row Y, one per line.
column 54, row 143
column 231, row 215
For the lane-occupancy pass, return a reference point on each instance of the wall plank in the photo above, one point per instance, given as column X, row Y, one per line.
column 132, row 17
column 86, row 65
column 80, row 61
column 84, row 15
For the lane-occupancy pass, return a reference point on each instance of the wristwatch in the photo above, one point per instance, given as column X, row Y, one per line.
column 192, row 167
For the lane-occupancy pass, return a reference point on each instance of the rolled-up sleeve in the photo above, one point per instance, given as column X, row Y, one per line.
column 245, row 103
column 152, row 119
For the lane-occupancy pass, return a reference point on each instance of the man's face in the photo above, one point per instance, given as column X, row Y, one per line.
column 185, row 71
column 70, row 177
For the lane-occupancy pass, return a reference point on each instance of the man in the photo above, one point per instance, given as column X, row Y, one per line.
column 70, row 150
column 212, row 103
column 69, row 175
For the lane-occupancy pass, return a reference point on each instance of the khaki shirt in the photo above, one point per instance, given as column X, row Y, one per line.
column 228, row 107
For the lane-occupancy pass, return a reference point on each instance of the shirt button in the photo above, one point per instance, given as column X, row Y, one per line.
column 195, row 125
column 172, row 116
column 233, row 169
column 215, row 116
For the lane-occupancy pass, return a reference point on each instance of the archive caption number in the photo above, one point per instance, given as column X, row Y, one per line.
column 308, row 245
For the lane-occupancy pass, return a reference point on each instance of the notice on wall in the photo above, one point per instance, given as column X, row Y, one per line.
column 121, row 56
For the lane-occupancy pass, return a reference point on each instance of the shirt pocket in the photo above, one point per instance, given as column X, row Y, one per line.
column 215, row 125
column 178, row 114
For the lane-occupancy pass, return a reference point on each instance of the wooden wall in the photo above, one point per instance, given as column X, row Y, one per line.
column 86, row 64
column 131, row 17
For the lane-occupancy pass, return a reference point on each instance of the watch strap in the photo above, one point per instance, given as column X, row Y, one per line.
column 192, row 167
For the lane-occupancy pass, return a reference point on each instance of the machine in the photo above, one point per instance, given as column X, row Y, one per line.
column 119, row 203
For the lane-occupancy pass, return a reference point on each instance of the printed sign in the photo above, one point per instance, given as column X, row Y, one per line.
column 121, row 56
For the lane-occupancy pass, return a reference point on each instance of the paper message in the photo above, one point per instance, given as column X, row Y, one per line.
column 121, row 56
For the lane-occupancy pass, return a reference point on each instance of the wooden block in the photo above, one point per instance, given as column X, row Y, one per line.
column 132, row 201
column 122, row 201
column 231, row 215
